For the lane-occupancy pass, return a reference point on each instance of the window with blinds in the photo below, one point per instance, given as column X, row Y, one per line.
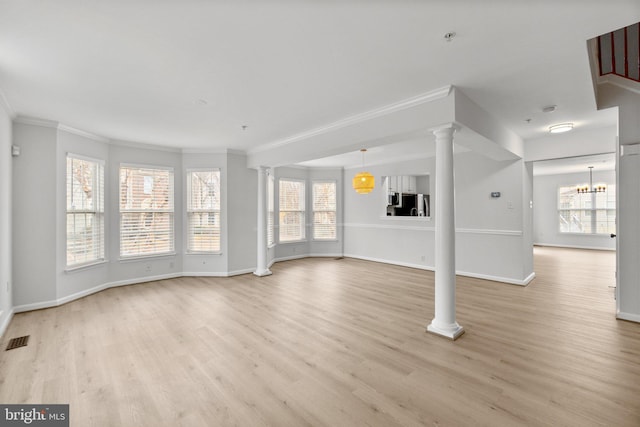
column 85, row 211
column 146, row 211
column 292, row 210
column 270, row 209
column 203, row 211
column 324, row 210
column 587, row 213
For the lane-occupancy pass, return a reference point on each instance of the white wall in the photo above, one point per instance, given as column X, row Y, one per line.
column 242, row 196
column 39, row 261
column 628, row 286
column 489, row 232
column 6, row 305
column 545, row 211
column 571, row 144
column 34, row 203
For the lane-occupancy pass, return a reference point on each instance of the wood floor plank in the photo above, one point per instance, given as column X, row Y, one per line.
column 326, row 342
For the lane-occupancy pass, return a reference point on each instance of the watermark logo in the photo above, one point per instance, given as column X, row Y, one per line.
column 34, row 415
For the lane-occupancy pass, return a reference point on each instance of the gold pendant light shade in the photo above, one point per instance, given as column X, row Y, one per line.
column 363, row 183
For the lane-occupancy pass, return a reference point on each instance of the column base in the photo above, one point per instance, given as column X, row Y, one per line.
column 452, row 332
column 261, row 273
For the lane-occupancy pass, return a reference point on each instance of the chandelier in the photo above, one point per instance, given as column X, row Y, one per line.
column 600, row 188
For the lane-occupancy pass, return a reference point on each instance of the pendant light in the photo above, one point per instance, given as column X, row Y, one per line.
column 363, row 182
column 600, row 188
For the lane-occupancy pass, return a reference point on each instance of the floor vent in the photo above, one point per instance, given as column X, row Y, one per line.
column 17, row 342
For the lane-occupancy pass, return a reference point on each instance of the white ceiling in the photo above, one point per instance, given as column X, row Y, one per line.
column 190, row 74
column 580, row 164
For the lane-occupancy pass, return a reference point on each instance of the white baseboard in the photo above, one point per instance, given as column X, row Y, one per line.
column 628, row 316
column 288, row 258
column 386, row 261
column 5, row 320
column 90, row 291
column 239, row 272
column 508, row 280
column 593, row 248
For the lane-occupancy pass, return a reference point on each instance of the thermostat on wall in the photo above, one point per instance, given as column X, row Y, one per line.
column 495, row 194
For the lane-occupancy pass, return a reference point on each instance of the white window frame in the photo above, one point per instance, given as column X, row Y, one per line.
column 593, row 211
column 314, row 210
column 302, row 212
column 170, row 211
column 98, row 211
column 191, row 211
column 271, row 214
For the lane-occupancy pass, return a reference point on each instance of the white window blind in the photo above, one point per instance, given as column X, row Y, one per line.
column 203, row 211
column 85, row 211
column 146, row 211
column 292, row 210
column 324, row 210
column 270, row 209
column 587, row 213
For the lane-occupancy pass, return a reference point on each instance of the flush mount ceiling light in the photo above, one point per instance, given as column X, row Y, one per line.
column 549, row 108
column 363, row 182
column 562, row 127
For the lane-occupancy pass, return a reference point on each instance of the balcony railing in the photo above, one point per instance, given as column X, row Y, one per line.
column 619, row 52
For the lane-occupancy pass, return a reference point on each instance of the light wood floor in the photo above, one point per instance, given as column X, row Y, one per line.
column 327, row 342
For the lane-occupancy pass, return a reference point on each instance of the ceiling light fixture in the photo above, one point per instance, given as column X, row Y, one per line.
column 600, row 188
column 562, row 127
column 549, row 108
column 363, row 182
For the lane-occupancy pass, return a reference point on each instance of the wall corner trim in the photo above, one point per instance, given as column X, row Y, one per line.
column 6, row 319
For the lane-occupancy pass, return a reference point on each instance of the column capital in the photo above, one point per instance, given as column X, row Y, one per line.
column 446, row 128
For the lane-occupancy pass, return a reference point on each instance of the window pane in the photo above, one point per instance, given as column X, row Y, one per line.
column 291, row 195
column 587, row 213
column 146, row 211
column 270, row 209
column 324, row 225
column 291, row 226
column 204, row 190
column 324, row 207
column 145, row 233
column 85, row 207
column 292, row 210
column 203, row 211
column 204, row 231
column 324, row 196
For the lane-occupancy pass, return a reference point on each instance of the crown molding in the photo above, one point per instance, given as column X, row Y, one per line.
column 33, row 121
column 141, row 145
column 7, row 107
column 82, row 133
column 423, row 98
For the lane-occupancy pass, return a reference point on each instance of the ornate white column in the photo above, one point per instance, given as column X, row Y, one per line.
column 444, row 323
column 261, row 265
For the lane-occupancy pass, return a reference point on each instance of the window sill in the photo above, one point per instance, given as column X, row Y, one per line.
column 325, row 240
column 203, row 253
column 143, row 257
column 79, row 267
column 406, row 218
column 289, row 242
column 573, row 233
